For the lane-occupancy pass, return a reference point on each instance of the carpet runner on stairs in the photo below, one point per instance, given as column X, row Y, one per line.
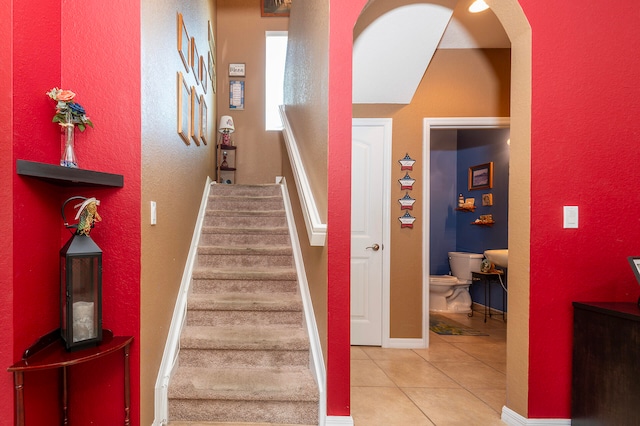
column 244, row 351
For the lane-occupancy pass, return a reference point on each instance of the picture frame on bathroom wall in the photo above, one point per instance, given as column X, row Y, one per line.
column 481, row 176
column 487, row 199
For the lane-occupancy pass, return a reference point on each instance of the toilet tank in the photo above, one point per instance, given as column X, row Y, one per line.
column 463, row 264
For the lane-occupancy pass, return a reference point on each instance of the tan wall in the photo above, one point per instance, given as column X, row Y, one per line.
column 458, row 83
column 173, row 175
column 306, row 97
column 241, row 39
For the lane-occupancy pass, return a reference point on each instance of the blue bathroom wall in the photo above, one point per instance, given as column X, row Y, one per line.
column 452, row 153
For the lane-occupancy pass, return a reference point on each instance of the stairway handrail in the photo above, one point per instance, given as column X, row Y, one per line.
column 316, row 229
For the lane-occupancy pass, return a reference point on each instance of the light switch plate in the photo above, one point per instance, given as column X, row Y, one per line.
column 570, row 219
column 153, row 213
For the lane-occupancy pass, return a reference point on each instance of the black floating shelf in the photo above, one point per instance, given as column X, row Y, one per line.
column 65, row 176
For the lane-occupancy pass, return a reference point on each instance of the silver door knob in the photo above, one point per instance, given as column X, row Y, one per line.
column 374, row 247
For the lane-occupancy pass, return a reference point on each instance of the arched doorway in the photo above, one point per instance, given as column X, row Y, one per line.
column 512, row 18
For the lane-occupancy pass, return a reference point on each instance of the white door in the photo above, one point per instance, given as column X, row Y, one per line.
column 369, row 186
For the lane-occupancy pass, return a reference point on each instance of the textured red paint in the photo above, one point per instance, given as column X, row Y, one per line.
column 584, row 144
column 92, row 48
column 343, row 18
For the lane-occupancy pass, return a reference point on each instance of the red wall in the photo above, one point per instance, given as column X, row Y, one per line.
column 584, row 151
column 584, row 146
column 92, row 48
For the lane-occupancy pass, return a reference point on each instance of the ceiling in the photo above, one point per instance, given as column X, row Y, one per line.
column 394, row 44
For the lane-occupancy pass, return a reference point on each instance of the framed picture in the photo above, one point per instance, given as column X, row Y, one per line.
column 204, row 128
column 236, row 94
column 195, row 116
column 204, row 74
column 184, row 101
column 195, row 59
column 236, row 70
column 212, row 41
column 487, row 199
column 275, row 7
column 183, row 42
column 481, row 176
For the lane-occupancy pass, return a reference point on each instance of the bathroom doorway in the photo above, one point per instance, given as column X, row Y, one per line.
column 430, row 138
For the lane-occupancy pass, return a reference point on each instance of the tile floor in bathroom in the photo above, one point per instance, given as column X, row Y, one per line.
column 457, row 381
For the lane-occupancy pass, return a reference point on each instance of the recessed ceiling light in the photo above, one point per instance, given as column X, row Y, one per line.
column 478, row 6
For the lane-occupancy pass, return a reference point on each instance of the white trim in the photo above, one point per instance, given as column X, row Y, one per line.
column 315, row 357
column 387, row 125
column 512, row 418
column 441, row 123
column 405, row 343
column 316, row 230
column 339, row 421
column 172, row 346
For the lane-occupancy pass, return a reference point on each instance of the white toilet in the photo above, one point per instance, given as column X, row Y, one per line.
column 450, row 293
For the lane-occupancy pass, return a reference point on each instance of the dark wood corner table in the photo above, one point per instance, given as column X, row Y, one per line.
column 49, row 352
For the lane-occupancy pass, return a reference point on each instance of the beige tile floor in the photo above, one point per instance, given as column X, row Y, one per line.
column 457, row 381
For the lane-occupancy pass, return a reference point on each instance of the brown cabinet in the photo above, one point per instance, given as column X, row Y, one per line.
column 606, row 364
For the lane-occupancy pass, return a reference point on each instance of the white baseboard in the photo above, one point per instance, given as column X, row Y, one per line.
column 512, row 418
column 339, row 421
column 398, row 343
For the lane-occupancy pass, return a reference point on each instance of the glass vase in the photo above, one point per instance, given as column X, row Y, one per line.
column 68, row 153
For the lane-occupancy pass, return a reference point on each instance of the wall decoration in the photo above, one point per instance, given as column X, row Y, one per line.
column 236, row 70
column 212, row 41
column 195, row 60
column 195, row 116
column 183, row 42
column 212, row 72
column 275, row 7
column 236, row 94
column 406, row 221
column 183, row 97
column 406, row 202
column 204, row 74
column 487, row 199
column 406, row 163
column 204, row 127
column 406, row 182
column 481, row 176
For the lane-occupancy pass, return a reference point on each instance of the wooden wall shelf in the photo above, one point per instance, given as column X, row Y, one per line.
column 65, row 176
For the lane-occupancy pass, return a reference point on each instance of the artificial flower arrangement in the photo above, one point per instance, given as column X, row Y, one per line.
column 68, row 112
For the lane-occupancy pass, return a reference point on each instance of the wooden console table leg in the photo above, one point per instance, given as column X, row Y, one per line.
column 127, row 393
column 65, row 398
column 18, row 384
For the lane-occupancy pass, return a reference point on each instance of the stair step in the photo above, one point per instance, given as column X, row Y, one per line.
column 225, row 309
column 247, row 338
column 285, row 395
column 245, row 256
column 257, row 189
column 245, row 219
column 214, row 235
column 270, row 274
column 202, row 346
column 245, row 301
column 233, row 203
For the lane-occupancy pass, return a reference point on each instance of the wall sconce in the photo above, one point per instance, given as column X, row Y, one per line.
column 81, row 280
column 225, row 128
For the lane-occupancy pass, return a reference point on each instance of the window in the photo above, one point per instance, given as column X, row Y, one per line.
column 276, row 55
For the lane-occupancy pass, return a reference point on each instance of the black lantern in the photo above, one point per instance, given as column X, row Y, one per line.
column 81, row 280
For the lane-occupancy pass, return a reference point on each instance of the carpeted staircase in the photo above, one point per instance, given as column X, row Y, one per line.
column 244, row 350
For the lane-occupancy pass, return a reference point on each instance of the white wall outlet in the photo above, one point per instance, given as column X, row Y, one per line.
column 570, row 219
column 153, row 213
